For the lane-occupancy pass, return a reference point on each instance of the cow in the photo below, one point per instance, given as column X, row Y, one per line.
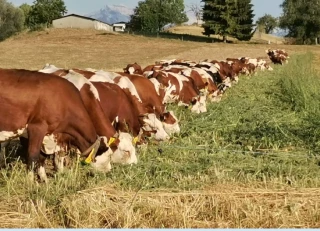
column 182, row 90
column 37, row 106
column 146, row 102
column 133, row 69
column 202, row 80
column 278, row 56
column 136, row 69
column 91, row 98
column 119, row 108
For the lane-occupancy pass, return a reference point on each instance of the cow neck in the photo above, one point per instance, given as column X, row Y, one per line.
column 101, row 123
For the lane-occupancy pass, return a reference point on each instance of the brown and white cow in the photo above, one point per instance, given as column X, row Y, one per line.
column 182, row 90
column 125, row 151
column 150, row 103
column 146, row 101
column 278, row 56
column 37, row 105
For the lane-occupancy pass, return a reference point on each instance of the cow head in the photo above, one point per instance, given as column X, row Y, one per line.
column 199, row 104
column 170, row 122
column 102, row 161
column 133, row 69
column 125, row 152
column 152, row 125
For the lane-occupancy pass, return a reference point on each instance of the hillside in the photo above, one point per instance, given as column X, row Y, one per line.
column 96, row 49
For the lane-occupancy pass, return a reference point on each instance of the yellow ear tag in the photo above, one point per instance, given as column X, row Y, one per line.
column 190, row 107
column 88, row 160
column 111, row 140
column 135, row 140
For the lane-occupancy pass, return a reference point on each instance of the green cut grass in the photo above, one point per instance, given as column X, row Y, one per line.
column 263, row 135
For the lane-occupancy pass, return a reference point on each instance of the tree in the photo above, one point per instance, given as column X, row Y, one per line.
column 44, row 11
column 228, row 17
column 26, row 11
column 11, row 20
column 197, row 11
column 214, row 22
column 301, row 19
column 153, row 15
column 243, row 18
column 267, row 23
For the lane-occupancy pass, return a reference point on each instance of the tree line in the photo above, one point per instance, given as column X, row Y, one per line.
column 39, row 15
column 300, row 18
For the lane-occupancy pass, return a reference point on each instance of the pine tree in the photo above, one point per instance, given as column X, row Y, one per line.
column 243, row 19
column 228, row 17
column 214, row 22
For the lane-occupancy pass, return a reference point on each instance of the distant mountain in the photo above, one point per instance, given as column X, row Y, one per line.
column 112, row 14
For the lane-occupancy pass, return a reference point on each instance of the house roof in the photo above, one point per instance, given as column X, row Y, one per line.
column 120, row 22
column 84, row 17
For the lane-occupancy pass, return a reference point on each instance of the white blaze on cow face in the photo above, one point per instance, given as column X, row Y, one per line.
column 152, row 123
column 172, row 128
column 131, row 70
column 79, row 80
column 8, row 135
column 103, row 162
column 200, row 106
column 125, row 83
column 126, row 152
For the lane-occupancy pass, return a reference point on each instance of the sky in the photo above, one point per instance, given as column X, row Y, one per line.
column 84, row 7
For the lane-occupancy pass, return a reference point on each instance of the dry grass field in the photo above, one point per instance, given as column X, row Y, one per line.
column 89, row 48
column 220, row 190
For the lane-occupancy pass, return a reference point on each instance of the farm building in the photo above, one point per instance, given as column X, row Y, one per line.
column 119, row 26
column 82, row 22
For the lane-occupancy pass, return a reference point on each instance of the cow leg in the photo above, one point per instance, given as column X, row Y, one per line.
column 41, row 170
column 36, row 135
